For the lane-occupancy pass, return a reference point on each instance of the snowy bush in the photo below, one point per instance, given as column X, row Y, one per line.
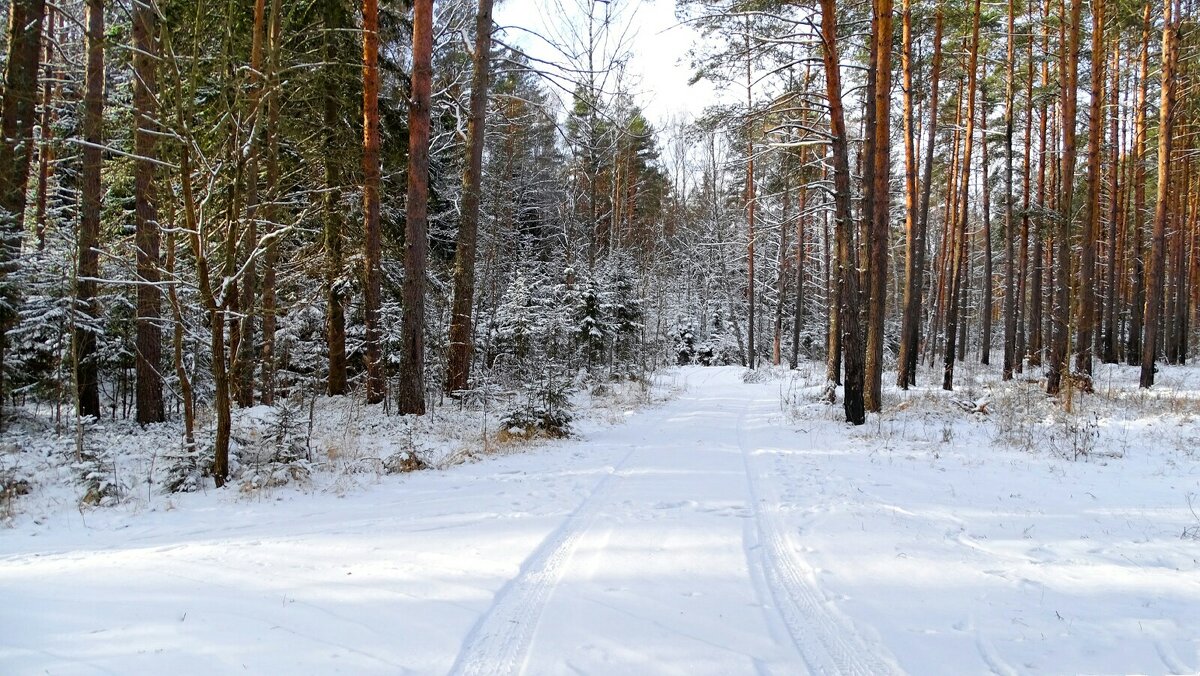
column 97, row 473
column 530, row 421
column 184, row 473
column 685, row 344
column 13, row 484
column 545, row 409
column 274, row 445
column 404, row 461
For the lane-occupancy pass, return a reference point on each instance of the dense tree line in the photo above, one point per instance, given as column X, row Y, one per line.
column 210, row 205
column 1024, row 209
column 205, row 209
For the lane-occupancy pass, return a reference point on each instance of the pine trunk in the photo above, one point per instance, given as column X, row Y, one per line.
column 149, row 302
column 1133, row 350
column 372, row 245
column 45, row 150
column 1010, row 268
column 1059, row 346
column 1086, row 317
column 751, row 203
column 957, row 271
column 1110, row 311
column 461, row 347
column 985, row 338
column 880, row 206
column 271, row 260
column 1154, row 280
column 16, row 131
column 914, row 285
column 411, row 388
column 331, row 213
column 847, row 279
column 91, row 193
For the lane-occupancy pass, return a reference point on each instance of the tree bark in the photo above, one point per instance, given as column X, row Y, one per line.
column 781, row 263
column 1166, row 121
column 751, row 203
column 149, row 301
column 243, row 359
column 881, row 206
column 985, row 337
column 1036, row 290
column 335, row 314
column 269, row 209
column 1026, row 198
column 461, row 332
column 1069, row 76
column 88, row 265
column 1110, row 312
column 1086, row 305
column 1010, row 268
column 16, row 131
column 45, row 148
column 801, row 255
column 177, row 338
column 411, row 389
column 847, row 276
column 960, row 226
column 373, row 247
column 1133, row 348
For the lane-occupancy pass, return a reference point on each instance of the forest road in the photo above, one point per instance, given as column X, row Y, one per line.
column 676, row 561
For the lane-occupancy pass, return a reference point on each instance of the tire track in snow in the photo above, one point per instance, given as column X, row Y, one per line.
column 826, row 641
column 500, row 640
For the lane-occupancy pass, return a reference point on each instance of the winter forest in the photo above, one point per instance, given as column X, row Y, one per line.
column 428, row 337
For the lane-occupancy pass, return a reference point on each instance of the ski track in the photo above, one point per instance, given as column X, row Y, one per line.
column 499, row 642
column 1169, row 659
column 826, row 642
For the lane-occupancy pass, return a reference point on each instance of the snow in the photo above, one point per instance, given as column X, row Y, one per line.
column 740, row 528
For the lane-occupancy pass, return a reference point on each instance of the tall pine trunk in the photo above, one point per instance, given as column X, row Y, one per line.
column 1110, row 310
column 847, row 277
column 149, row 302
column 985, row 338
column 45, row 148
column 1068, row 79
column 1166, row 121
column 461, row 346
column 960, row 226
column 270, row 208
column 880, row 206
column 1010, row 235
column 751, row 203
column 1137, row 311
column 87, row 381
column 331, row 213
column 16, row 132
column 372, row 244
column 411, row 389
column 781, row 264
column 1026, row 198
column 1086, row 317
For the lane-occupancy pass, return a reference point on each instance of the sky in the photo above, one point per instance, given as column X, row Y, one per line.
column 657, row 43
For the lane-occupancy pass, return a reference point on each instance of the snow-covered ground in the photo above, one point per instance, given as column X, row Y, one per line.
column 737, row 529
